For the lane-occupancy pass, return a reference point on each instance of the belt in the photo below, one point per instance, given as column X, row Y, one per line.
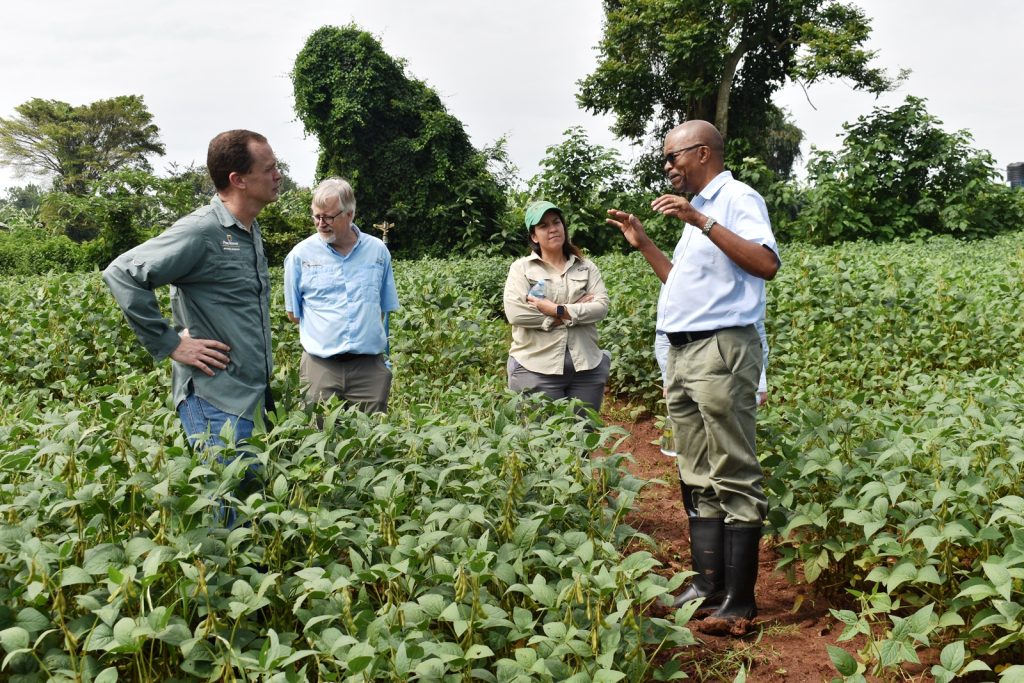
column 342, row 357
column 683, row 338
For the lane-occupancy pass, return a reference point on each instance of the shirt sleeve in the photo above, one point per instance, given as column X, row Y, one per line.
column 292, row 273
column 593, row 311
column 388, row 291
column 167, row 258
column 748, row 218
column 518, row 312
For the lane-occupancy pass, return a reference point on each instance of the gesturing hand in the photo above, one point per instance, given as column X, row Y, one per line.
column 201, row 353
column 675, row 206
column 631, row 227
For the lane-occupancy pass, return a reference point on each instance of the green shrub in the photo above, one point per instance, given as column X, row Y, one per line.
column 27, row 252
column 898, row 176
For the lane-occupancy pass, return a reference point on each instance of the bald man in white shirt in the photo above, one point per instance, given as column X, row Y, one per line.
column 713, row 294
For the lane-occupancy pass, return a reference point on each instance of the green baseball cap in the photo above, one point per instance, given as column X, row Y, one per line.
column 536, row 211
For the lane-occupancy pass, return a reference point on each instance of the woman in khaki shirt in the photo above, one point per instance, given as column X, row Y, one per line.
column 554, row 337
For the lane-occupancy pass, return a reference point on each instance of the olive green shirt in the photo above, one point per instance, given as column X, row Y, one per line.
column 538, row 344
column 220, row 289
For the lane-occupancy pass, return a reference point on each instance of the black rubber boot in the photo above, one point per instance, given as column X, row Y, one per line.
column 742, row 545
column 686, row 493
column 707, row 557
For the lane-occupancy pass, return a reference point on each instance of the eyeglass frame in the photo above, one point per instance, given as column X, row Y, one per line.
column 671, row 157
column 326, row 218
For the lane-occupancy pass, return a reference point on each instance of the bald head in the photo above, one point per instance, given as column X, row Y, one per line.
column 699, row 132
column 694, row 155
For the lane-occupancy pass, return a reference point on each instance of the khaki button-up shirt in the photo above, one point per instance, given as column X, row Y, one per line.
column 538, row 343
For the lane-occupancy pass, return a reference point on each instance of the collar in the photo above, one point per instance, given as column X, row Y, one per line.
column 717, row 183
column 359, row 238
column 226, row 218
column 534, row 256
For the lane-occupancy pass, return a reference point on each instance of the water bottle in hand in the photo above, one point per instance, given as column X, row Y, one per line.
column 537, row 291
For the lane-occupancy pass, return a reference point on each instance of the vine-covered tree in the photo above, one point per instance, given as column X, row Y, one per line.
column 667, row 61
column 75, row 146
column 410, row 162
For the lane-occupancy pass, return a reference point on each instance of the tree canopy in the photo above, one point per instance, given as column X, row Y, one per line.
column 76, row 145
column 410, row 161
column 662, row 62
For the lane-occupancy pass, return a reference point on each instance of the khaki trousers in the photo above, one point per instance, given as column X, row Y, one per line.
column 712, row 387
column 363, row 380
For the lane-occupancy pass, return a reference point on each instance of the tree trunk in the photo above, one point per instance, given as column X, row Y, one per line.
column 732, row 63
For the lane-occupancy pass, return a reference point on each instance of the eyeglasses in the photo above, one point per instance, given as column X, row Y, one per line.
column 325, row 218
column 670, row 158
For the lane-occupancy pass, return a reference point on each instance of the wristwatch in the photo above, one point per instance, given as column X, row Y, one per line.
column 559, row 311
column 707, row 226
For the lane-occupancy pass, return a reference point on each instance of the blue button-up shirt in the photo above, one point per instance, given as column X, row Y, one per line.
column 340, row 300
column 706, row 290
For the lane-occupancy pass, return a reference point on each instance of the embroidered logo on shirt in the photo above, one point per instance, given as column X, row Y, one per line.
column 229, row 243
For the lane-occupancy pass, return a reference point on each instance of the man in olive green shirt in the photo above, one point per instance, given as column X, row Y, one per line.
column 219, row 342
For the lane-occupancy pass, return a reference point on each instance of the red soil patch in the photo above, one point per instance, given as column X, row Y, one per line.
column 793, row 626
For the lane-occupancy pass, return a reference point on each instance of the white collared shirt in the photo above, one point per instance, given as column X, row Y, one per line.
column 705, row 289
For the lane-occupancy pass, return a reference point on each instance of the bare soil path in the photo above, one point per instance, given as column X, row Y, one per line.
column 794, row 626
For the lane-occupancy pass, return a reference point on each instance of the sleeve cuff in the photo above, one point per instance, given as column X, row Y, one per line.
column 165, row 346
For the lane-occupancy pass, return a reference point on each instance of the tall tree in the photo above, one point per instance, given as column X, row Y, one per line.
column 76, row 146
column 663, row 62
column 409, row 160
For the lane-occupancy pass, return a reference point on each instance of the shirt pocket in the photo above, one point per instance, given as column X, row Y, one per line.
column 317, row 276
column 235, row 278
column 366, row 281
column 576, row 283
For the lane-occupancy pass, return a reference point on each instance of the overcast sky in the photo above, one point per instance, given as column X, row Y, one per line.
column 503, row 68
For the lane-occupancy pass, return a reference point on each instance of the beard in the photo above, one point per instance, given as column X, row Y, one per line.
column 327, row 239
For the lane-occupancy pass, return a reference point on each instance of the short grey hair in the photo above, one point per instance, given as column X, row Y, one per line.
column 335, row 187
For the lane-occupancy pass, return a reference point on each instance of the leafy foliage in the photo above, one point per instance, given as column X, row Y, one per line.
column 457, row 539
column 25, row 198
column 584, row 180
column 409, row 160
column 464, row 536
column 77, row 145
column 29, row 252
column 285, row 223
column 899, row 175
column 891, row 438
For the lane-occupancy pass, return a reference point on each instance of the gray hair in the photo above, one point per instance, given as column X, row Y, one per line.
column 335, row 187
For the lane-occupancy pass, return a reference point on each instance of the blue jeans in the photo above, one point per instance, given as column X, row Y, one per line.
column 199, row 416
column 202, row 422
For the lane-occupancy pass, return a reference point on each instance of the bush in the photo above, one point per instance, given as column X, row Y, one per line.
column 24, row 252
column 899, row 175
column 410, row 162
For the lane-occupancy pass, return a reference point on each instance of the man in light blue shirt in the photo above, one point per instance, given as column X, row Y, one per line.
column 338, row 286
column 712, row 298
